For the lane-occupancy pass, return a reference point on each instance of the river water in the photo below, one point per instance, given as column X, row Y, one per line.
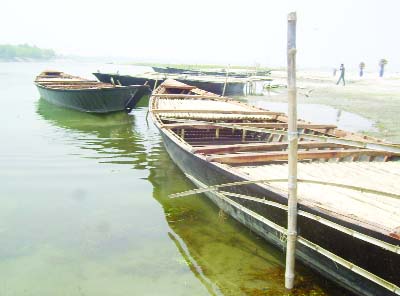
column 84, row 208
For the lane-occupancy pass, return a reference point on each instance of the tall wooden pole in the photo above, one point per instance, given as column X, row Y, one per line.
column 226, row 80
column 293, row 141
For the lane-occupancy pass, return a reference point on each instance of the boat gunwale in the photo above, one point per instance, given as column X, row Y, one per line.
column 110, row 88
column 356, row 227
column 379, row 229
column 351, row 222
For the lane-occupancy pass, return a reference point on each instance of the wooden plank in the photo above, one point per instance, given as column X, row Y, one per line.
column 347, row 141
column 256, row 124
column 273, row 156
column 190, row 126
column 285, row 125
column 213, row 149
column 78, row 85
column 188, row 87
column 240, row 112
column 65, row 81
column 187, row 96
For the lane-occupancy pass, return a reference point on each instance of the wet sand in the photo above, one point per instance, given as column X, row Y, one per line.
column 372, row 97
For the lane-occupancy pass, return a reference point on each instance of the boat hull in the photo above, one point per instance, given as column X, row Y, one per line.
column 232, row 88
column 343, row 245
column 223, row 73
column 102, row 100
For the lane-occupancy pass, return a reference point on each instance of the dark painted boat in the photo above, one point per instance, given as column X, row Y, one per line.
column 349, row 189
column 86, row 95
column 172, row 70
column 127, row 79
column 217, row 87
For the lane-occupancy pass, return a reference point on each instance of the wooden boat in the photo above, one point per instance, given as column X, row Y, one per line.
column 86, row 95
column 215, row 86
column 111, row 136
column 349, row 189
column 172, row 70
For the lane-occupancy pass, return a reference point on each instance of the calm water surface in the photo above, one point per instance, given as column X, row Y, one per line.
column 84, row 208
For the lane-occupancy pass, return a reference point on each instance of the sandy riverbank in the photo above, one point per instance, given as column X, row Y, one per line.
column 374, row 98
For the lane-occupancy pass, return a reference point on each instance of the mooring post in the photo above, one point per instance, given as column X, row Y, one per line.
column 293, row 141
column 226, row 80
column 155, row 85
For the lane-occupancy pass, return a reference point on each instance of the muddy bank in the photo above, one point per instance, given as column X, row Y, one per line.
column 377, row 99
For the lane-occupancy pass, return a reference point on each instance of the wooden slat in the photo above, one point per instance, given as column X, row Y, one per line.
column 190, row 126
column 213, row 149
column 285, row 125
column 185, row 86
column 347, row 141
column 65, row 81
column 256, row 124
column 240, row 112
column 273, row 156
column 186, row 96
column 78, row 85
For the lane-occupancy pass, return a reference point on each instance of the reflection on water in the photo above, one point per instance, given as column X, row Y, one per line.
column 232, row 258
column 111, row 136
column 84, row 210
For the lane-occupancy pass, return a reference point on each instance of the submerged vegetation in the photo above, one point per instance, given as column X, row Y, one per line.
column 10, row 52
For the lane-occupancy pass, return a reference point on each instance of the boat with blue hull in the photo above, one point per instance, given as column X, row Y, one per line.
column 349, row 194
column 85, row 95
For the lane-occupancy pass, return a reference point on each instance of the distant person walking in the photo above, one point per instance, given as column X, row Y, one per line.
column 362, row 66
column 382, row 64
column 341, row 69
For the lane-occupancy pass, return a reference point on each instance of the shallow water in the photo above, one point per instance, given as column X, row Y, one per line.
column 320, row 114
column 84, row 208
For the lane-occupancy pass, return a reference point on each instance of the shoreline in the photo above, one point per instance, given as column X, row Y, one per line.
column 375, row 98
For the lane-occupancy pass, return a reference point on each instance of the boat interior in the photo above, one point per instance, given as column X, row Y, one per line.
column 253, row 143
column 61, row 80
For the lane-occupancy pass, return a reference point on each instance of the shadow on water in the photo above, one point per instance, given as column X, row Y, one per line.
column 224, row 256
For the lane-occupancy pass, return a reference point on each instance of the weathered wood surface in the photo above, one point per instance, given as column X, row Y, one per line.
column 253, row 124
column 61, row 80
column 219, row 149
column 205, row 104
column 226, row 104
column 187, row 96
column 378, row 211
column 197, row 111
column 186, row 87
column 66, row 81
column 292, row 153
column 375, row 207
column 302, row 155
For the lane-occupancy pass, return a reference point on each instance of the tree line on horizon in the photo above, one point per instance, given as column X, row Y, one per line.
column 25, row 51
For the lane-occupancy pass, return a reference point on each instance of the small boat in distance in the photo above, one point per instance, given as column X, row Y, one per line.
column 202, row 72
column 215, row 84
column 85, row 95
column 348, row 183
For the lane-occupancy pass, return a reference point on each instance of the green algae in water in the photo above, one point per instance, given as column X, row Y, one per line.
column 84, row 210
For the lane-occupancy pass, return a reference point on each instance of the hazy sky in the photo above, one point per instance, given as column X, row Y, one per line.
column 210, row 31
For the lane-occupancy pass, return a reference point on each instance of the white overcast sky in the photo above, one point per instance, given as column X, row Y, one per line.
column 210, row 31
